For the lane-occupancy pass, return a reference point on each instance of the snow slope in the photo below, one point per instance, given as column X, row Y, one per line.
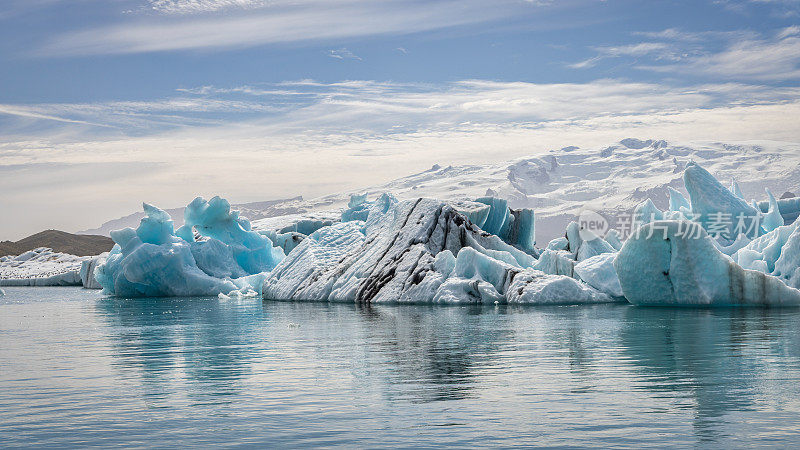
column 610, row 179
column 557, row 184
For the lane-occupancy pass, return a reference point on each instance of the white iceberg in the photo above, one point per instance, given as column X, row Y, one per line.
column 776, row 253
column 41, row 267
column 538, row 288
column 416, row 251
column 88, row 267
column 718, row 209
column 599, row 273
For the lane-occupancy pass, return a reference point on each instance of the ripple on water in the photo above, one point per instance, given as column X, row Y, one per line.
column 79, row 369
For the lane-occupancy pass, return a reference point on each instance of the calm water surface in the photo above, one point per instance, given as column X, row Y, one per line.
column 79, row 369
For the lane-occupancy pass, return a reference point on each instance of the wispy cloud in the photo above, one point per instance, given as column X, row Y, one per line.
column 279, row 22
column 729, row 55
column 659, row 49
column 311, row 138
column 779, row 8
column 135, row 117
column 343, row 53
column 201, row 6
column 767, row 59
column 377, row 107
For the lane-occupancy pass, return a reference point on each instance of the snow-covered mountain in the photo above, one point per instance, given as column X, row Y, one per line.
column 610, row 179
column 558, row 184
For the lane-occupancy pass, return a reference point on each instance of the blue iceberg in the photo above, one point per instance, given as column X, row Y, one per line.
column 674, row 262
column 154, row 260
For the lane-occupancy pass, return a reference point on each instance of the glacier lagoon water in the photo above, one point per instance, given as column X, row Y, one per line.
column 80, row 369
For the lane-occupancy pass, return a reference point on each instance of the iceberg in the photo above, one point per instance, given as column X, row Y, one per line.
column 476, row 212
column 675, row 263
column 715, row 207
column 357, row 208
column 41, row 267
column 593, row 246
column 599, row 273
column 736, row 190
column 647, row 212
column 613, row 239
column 535, row 287
column 776, row 253
column 513, row 226
column 214, row 219
column 285, row 241
column 416, row 251
column 424, row 250
column 556, row 262
column 583, row 243
column 154, row 260
column 88, row 267
column 773, row 218
column 677, row 201
column 788, row 207
column 305, row 226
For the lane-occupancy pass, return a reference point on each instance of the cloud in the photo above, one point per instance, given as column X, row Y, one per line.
column 201, row 6
column 343, row 53
column 662, row 50
column 278, row 23
column 675, row 34
column 789, row 31
column 769, row 59
column 374, row 107
column 778, row 8
column 729, row 55
column 135, row 117
column 311, row 138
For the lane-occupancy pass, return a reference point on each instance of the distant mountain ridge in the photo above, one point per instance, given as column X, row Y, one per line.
column 557, row 184
column 59, row 241
column 608, row 179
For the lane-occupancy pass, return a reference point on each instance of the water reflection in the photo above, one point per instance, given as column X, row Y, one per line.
column 713, row 361
column 695, row 367
column 433, row 352
column 166, row 342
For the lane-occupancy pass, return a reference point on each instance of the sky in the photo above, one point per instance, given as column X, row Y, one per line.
column 105, row 104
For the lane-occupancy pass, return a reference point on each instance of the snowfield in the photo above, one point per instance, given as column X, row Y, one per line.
column 558, row 184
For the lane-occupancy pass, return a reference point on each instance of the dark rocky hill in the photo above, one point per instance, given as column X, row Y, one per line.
column 59, row 241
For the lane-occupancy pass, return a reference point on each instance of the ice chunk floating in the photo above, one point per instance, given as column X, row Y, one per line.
column 154, row 260
column 665, row 264
column 420, row 251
